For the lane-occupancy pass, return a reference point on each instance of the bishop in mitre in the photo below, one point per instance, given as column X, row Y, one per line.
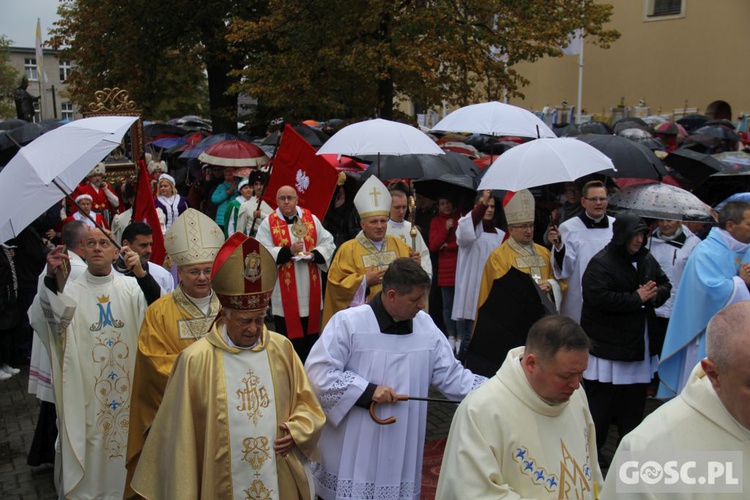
column 239, row 418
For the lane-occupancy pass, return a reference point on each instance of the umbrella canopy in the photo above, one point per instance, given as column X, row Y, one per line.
column 168, row 142
column 634, row 133
column 733, row 162
column 692, row 122
column 195, row 151
column 31, row 182
column 671, row 128
column 11, row 123
column 156, row 129
column 544, row 161
column 659, row 201
column 692, row 165
column 234, row 153
column 629, row 157
column 379, row 137
column 419, row 166
column 655, row 120
column 494, row 118
column 345, row 164
column 632, row 122
column 314, row 136
column 594, row 128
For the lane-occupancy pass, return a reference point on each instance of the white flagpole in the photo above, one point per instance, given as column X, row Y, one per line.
column 580, row 82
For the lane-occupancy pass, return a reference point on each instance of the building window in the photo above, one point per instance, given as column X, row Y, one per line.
column 37, row 112
column 66, row 111
column 64, row 70
column 30, row 70
column 665, row 8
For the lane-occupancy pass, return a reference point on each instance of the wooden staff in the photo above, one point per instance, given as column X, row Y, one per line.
column 412, row 217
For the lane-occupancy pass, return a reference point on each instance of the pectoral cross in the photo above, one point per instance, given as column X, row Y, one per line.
column 375, row 193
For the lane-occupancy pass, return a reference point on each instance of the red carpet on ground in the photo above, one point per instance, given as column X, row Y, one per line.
column 433, row 457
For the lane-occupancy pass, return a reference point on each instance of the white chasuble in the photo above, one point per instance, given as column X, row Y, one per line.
column 91, row 331
column 251, row 417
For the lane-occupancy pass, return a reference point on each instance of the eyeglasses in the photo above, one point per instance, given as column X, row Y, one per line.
column 530, row 225
column 286, row 198
column 596, row 200
column 195, row 273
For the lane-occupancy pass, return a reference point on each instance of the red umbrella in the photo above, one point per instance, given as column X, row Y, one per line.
column 234, row 153
column 344, row 163
column 670, row 128
column 195, row 137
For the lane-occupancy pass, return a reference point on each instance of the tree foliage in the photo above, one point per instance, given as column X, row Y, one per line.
column 9, row 79
column 359, row 57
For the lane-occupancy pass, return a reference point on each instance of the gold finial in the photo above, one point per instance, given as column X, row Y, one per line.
column 114, row 100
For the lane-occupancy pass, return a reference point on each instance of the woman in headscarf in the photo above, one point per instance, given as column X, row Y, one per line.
column 169, row 200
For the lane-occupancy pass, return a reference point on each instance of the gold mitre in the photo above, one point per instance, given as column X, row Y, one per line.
column 243, row 274
column 373, row 199
column 193, row 239
column 520, row 208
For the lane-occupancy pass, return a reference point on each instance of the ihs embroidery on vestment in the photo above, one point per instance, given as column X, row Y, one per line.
column 253, row 397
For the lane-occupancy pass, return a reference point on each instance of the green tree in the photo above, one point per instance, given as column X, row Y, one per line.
column 360, row 57
column 9, row 79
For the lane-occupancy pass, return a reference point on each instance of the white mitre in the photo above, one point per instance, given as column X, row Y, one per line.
column 193, row 239
column 373, row 199
column 520, row 208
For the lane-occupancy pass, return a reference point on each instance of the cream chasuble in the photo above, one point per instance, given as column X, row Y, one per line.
column 352, row 260
column 214, row 433
column 507, row 442
column 92, row 334
column 172, row 323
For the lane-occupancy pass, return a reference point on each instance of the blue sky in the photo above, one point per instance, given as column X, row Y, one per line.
column 18, row 19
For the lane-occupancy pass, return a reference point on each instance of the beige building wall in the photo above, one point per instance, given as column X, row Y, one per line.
column 697, row 57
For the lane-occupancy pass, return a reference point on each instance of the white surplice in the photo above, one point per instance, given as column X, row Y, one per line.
column 581, row 244
column 402, row 230
column 91, row 332
column 360, row 458
column 474, row 247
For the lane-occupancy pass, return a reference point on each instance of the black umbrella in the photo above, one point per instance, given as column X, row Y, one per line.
column 156, row 129
column 423, row 167
column 632, row 122
column 11, row 123
column 499, row 326
column 719, row 131
column 12, row 140
column 630, row 158
column 692, row 122
column 692, row 165
column 594, row 128
column 315, row 137
column 565, row 130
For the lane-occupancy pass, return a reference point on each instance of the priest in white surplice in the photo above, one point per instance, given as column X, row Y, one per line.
column 527, row 433
column 711, row 414
column 401, row 228
column 91, row 331
column 373, row 353
column 577, row 241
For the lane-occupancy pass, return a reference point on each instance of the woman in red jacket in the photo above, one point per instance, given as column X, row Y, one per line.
column 443, row 242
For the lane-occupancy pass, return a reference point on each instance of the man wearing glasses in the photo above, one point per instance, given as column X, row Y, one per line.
column 302, row 249
column 173, row 322
column 577, row 240
column 518, row 252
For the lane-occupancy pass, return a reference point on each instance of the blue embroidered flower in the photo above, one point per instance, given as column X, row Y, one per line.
column 110, row 342
column 552, row 481
column 528, row 465
column 112, row 375
column 520, row 453
column 114, row 404
column 539, row 475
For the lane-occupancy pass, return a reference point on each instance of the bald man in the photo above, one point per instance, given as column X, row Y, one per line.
column 711, row 414
column 303, row 249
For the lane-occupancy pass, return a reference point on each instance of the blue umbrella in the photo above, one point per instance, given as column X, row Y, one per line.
column 168, row 142
column 196, row 150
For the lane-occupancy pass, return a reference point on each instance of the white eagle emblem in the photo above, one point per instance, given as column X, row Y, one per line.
column 303, row 181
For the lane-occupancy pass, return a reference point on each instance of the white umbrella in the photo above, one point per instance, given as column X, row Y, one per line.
column 41, row 173
column 379, row 137
column 544, row 161
column 660, row 201
column 494, row 118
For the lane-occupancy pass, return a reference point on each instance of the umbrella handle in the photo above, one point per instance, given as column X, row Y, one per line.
column 385, row 421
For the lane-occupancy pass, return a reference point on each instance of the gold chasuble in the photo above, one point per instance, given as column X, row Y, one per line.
column 172, row 324
column 352, row 260
column 510, row 254
column 214, row 434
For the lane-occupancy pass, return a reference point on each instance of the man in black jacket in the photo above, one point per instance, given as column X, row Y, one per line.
column 622, row 285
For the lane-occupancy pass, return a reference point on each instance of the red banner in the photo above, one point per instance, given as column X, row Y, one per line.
column 145, row 210
column 297, row 165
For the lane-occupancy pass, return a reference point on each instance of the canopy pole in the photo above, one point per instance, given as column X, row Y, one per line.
column 580, row 82
column 265, row 184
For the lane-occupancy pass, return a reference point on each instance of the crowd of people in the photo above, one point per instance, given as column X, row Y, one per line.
column 263, row 357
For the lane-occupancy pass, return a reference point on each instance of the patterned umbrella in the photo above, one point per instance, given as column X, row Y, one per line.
column 234, row 153
column 659, row 201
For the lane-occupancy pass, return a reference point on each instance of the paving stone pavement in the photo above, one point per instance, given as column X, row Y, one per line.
column 18, row 415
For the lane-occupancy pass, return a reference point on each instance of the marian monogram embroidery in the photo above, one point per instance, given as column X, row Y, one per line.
column 258, row 491
column 256, row 451
column 253, row 397
column 105, row 315
column 112, row 390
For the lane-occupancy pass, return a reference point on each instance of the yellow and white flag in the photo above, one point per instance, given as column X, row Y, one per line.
column 39, row 54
